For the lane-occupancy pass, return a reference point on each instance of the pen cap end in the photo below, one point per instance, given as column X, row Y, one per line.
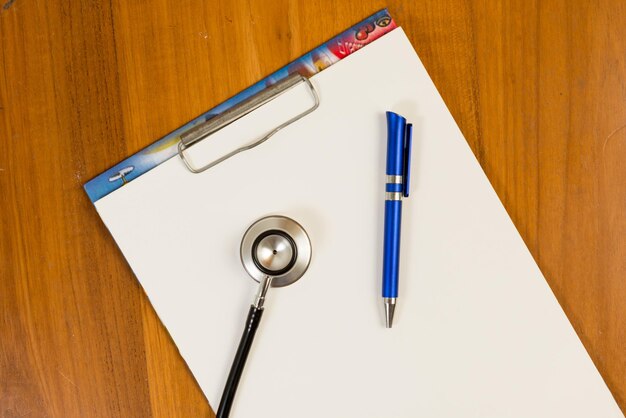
column 396, row 131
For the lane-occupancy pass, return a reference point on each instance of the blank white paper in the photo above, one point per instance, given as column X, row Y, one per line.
column 477, row 332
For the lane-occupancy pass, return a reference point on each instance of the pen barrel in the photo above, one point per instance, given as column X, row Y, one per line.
column 252, row 323
column 391, row 251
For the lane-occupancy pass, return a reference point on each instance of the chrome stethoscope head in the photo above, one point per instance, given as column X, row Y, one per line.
column 276, row 247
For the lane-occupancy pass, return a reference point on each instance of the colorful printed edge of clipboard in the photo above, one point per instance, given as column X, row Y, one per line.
column 311, row 63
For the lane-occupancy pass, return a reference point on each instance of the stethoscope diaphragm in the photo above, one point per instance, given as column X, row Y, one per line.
column 276, row 246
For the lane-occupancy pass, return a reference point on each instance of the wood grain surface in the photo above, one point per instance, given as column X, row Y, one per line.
column 537, row 87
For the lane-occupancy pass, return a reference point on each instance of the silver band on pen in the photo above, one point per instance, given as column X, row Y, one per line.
column 394, row 179
column 393, row 195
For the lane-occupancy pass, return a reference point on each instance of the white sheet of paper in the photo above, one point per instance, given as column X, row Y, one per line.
column 477, row 332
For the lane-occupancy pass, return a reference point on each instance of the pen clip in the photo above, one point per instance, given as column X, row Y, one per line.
column 408, row 144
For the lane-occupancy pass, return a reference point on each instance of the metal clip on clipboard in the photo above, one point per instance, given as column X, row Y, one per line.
column 206, row 129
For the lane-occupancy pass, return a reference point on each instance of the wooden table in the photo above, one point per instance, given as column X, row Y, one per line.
column 538, row 89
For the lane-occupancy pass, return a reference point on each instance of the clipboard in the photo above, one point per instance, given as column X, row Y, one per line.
column 478, row 332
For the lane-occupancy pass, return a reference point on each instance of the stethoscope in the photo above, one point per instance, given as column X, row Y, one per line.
column 275, row 251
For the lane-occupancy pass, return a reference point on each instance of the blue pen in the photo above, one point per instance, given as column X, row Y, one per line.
column 399, row 138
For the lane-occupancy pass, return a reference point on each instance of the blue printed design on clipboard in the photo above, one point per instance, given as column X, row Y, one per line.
column 309, row 64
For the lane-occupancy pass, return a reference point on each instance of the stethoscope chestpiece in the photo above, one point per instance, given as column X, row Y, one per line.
column 278, row 247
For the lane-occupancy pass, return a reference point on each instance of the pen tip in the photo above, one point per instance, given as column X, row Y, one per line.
column 390, row 307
